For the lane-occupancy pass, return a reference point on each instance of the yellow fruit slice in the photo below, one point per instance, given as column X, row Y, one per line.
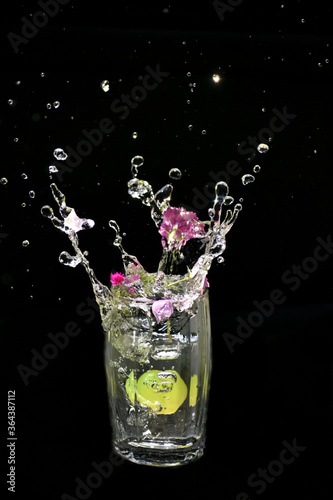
column 193, row 390
column 162, row 391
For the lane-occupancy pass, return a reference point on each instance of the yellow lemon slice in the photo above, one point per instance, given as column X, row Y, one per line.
column 162, row 391
column 193, row 390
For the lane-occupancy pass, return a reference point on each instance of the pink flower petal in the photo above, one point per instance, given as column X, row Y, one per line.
column 162, row 309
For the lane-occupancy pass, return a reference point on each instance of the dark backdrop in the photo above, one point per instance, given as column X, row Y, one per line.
column 273, row 385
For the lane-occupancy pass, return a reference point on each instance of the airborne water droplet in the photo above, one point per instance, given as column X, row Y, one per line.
column 32, row 194
column 25, row 243
column 24, row 176
column 256, row 169
column 247, row 179
column 49, row 105
column 136, row 162
column 47, row 211
column 175, row 173
column 105, row 85
column 4, row 181
column 56, row 104
column 52, row 169
column 60, row 154
column 216, row 78
column 263, row 148
column 135, row 135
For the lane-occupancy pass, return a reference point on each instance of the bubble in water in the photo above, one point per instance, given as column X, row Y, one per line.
column 256, row 169
column 262, row 148
column 4, row 181
column 135, row 135
column 105, row 85
column 60, row 154
column 32, row 194
column 24, row 176
column 56, row 104
column 175, row 173
column 52, row 169
column 247, row 179
column 216, row 78
column 25, row 243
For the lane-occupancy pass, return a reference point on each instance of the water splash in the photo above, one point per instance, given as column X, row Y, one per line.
column 184, row 289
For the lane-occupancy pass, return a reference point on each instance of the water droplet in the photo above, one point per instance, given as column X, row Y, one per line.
column 49, row 105
column 188, row 101
column 188, row 73
column 136, row 162
column 256, row 169
column 16, row 139
column 23, row 205
column 327, row 61
column 228, row 200
column 60, row 154
column 4, row 181
column 105, row 85
column 247, row 179
column 47, row 211
column 42, row 75
column 32, row 194
column 190, row 127
column 216, row 78
column 11, row 102
column 302, row 21
column 52, row 169
column 220, row 259
column 320, row 65
column 135, row 135
column 25, row 243
column 175, row 173
column 204, row 132
column 18, row 82
column 263, row 148
column 263, row 110
column 69, row 260
column 24, row 176
column 56, row 104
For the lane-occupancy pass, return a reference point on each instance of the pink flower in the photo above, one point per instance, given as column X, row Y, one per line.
column 179, row 226
column 162, row 309
column 116, row 278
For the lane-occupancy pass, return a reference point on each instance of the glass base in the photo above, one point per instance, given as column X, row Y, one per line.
column 158, row 453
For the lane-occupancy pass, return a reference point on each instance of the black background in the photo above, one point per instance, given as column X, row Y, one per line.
column 277, row 385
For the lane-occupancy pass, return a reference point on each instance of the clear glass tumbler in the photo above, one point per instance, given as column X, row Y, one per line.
column 158, row 377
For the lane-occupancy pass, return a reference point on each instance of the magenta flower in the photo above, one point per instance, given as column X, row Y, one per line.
column 179, row 226
column 162, row 309
column 116, row 278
